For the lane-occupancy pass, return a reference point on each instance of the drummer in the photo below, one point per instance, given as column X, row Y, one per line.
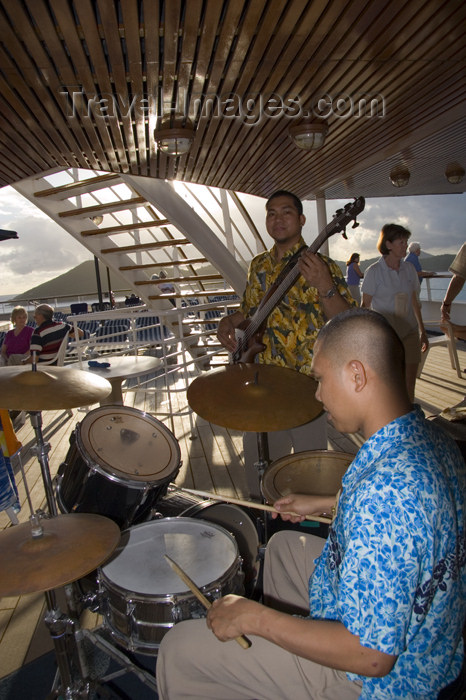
column 319, row 294
column 386, row 590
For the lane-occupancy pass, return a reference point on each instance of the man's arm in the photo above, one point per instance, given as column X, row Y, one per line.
column 420, row 322
column 325, row 642
column 454, row 288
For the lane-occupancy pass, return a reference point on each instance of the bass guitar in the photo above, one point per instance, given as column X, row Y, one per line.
column 249, row 333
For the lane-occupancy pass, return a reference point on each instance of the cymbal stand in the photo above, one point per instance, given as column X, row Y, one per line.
column 41, row 451
column 261, row 465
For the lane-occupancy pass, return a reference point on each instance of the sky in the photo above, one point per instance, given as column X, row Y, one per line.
column 44, row 250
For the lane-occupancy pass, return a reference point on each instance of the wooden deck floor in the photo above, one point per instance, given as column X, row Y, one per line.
column 211, row 461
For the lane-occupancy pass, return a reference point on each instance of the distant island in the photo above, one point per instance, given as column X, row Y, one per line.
column 81, row 280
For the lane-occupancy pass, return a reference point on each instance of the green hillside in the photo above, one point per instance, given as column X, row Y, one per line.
column 81, row 280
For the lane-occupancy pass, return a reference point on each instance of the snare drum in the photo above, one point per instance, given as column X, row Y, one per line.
column 142, row 597
column 242, row 523
column 119, row 463
column 313, row 472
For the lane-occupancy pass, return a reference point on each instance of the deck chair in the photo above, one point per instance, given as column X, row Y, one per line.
column 447, row 340
column 59, row 359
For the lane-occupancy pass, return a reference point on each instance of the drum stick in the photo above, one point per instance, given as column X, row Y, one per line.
column 254, row 504
column 242, row 641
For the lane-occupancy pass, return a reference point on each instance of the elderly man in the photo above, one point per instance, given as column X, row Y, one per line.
column 384, row 595
column 48, row 334
column 414, row 251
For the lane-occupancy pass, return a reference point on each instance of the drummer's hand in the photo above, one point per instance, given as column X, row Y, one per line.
column 226, row 330
column 302, row 505
column 231, row 616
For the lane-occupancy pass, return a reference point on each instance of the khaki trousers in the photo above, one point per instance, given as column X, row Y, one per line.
column 193, row 665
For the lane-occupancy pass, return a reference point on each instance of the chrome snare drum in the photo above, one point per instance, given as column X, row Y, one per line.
column 119, row 463
column 142, row 597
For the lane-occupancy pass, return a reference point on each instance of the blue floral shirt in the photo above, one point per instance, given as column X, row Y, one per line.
column 393, row 567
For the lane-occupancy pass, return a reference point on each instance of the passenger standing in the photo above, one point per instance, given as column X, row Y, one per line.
column 391, row 287
column 354, row 275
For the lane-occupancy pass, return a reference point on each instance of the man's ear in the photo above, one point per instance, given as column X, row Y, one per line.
column 357, row 374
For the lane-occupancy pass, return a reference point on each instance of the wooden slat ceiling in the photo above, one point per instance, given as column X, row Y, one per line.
column 147, row 57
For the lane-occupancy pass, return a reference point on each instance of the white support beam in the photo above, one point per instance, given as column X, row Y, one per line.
column 173, row 207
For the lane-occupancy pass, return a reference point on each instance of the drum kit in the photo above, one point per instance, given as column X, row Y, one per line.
column 122, row 518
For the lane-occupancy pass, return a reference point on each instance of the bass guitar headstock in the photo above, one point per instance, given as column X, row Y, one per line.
column 349, row 213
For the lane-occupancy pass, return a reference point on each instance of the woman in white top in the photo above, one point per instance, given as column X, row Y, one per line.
column 391, row 287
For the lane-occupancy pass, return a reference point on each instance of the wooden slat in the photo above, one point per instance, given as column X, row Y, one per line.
column 79, row 187
column 200, row 293
column 146, row 246
column 166, row 263
column 124, row 228
column 119, row 205
column 176, row 280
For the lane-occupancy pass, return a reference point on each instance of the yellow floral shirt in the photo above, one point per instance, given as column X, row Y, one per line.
column 293, row 325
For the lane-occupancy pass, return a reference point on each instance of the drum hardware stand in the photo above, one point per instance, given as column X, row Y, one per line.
column 41, row 450
column 261, row 465
column 96, row 637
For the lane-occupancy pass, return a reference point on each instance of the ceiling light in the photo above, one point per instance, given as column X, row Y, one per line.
column 454, row 173
column 399, row 176
column 97, row 220
column 175, row 135
column 309, row 135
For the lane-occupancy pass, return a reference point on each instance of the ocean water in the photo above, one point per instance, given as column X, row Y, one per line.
column 438, row 288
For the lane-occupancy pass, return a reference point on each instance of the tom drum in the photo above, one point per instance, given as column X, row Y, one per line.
column 313, row 472
column 119, row 463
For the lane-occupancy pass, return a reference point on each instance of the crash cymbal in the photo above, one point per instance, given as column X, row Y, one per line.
column 23, row 389
column 255, row 397
column 71, row 546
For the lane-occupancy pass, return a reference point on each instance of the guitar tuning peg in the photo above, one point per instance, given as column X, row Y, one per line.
column 355, row 225
column 344, row 234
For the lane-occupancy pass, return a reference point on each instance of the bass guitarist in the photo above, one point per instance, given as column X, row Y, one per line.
column 319, row 293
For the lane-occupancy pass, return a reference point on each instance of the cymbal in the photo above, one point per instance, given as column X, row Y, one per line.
column 71, row 546
column 254, row 397
column 50, row 387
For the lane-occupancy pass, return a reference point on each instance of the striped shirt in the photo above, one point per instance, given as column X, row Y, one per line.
column 46, row 339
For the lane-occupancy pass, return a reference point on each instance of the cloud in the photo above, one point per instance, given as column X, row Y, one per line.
column 437, row 222
column 43, row 250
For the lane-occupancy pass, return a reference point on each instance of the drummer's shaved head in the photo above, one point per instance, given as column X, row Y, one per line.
column 364, row 335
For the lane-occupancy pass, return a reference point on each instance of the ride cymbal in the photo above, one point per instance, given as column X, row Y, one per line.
column 256, row 398
column 70, row 547
column 23, row 389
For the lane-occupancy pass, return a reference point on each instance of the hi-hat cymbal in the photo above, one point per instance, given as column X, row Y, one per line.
column 71, row 546
column 254, row 397
column 22, row 389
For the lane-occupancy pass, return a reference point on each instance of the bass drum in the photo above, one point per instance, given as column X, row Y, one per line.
column 242, row 523
column 142, row 597
column 119, row 463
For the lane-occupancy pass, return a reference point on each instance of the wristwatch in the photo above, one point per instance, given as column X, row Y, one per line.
column 331, row 293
